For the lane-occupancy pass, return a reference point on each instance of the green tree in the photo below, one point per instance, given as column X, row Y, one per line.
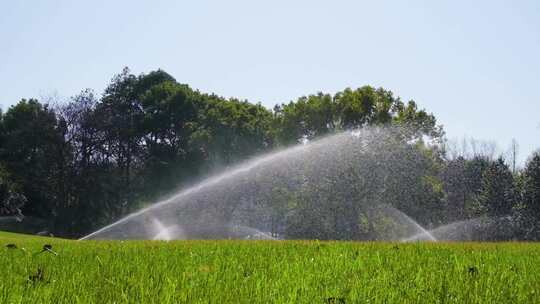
column 307, row 118
column 231, row 130
column 531, row 196
column 122, row 122
column 462, row 185
column 121, row 114
column 316, row 115
column 31, row 151
column 498, row 190
column 170, row 119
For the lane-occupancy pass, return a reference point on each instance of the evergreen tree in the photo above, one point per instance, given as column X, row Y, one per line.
column 531, row 196
column 498, row 192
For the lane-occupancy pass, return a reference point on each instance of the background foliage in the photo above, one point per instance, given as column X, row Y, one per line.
column 76, row 166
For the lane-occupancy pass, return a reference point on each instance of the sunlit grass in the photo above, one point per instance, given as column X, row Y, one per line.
column 266, row 272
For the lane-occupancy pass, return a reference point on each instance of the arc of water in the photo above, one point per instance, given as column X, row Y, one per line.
column 183, row 197
column 459, row 226
column 209, row 182
column 423, row 231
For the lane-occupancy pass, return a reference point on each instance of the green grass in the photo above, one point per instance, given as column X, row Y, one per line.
column 267, row 272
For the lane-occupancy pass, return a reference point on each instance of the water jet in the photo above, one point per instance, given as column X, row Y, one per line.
column 336, row 187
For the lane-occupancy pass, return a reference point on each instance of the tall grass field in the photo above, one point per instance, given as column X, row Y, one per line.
column 48, row 270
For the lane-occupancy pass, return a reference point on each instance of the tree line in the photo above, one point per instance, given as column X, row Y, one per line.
column 76, row 166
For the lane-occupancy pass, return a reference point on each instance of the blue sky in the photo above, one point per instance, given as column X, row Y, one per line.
column 474, row 64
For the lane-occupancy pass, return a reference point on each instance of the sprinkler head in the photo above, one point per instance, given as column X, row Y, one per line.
column 48, row 248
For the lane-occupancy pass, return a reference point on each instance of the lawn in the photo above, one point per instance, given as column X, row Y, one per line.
column 266, row 272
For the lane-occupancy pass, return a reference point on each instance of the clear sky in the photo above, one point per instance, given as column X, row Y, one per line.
column 474, row 64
